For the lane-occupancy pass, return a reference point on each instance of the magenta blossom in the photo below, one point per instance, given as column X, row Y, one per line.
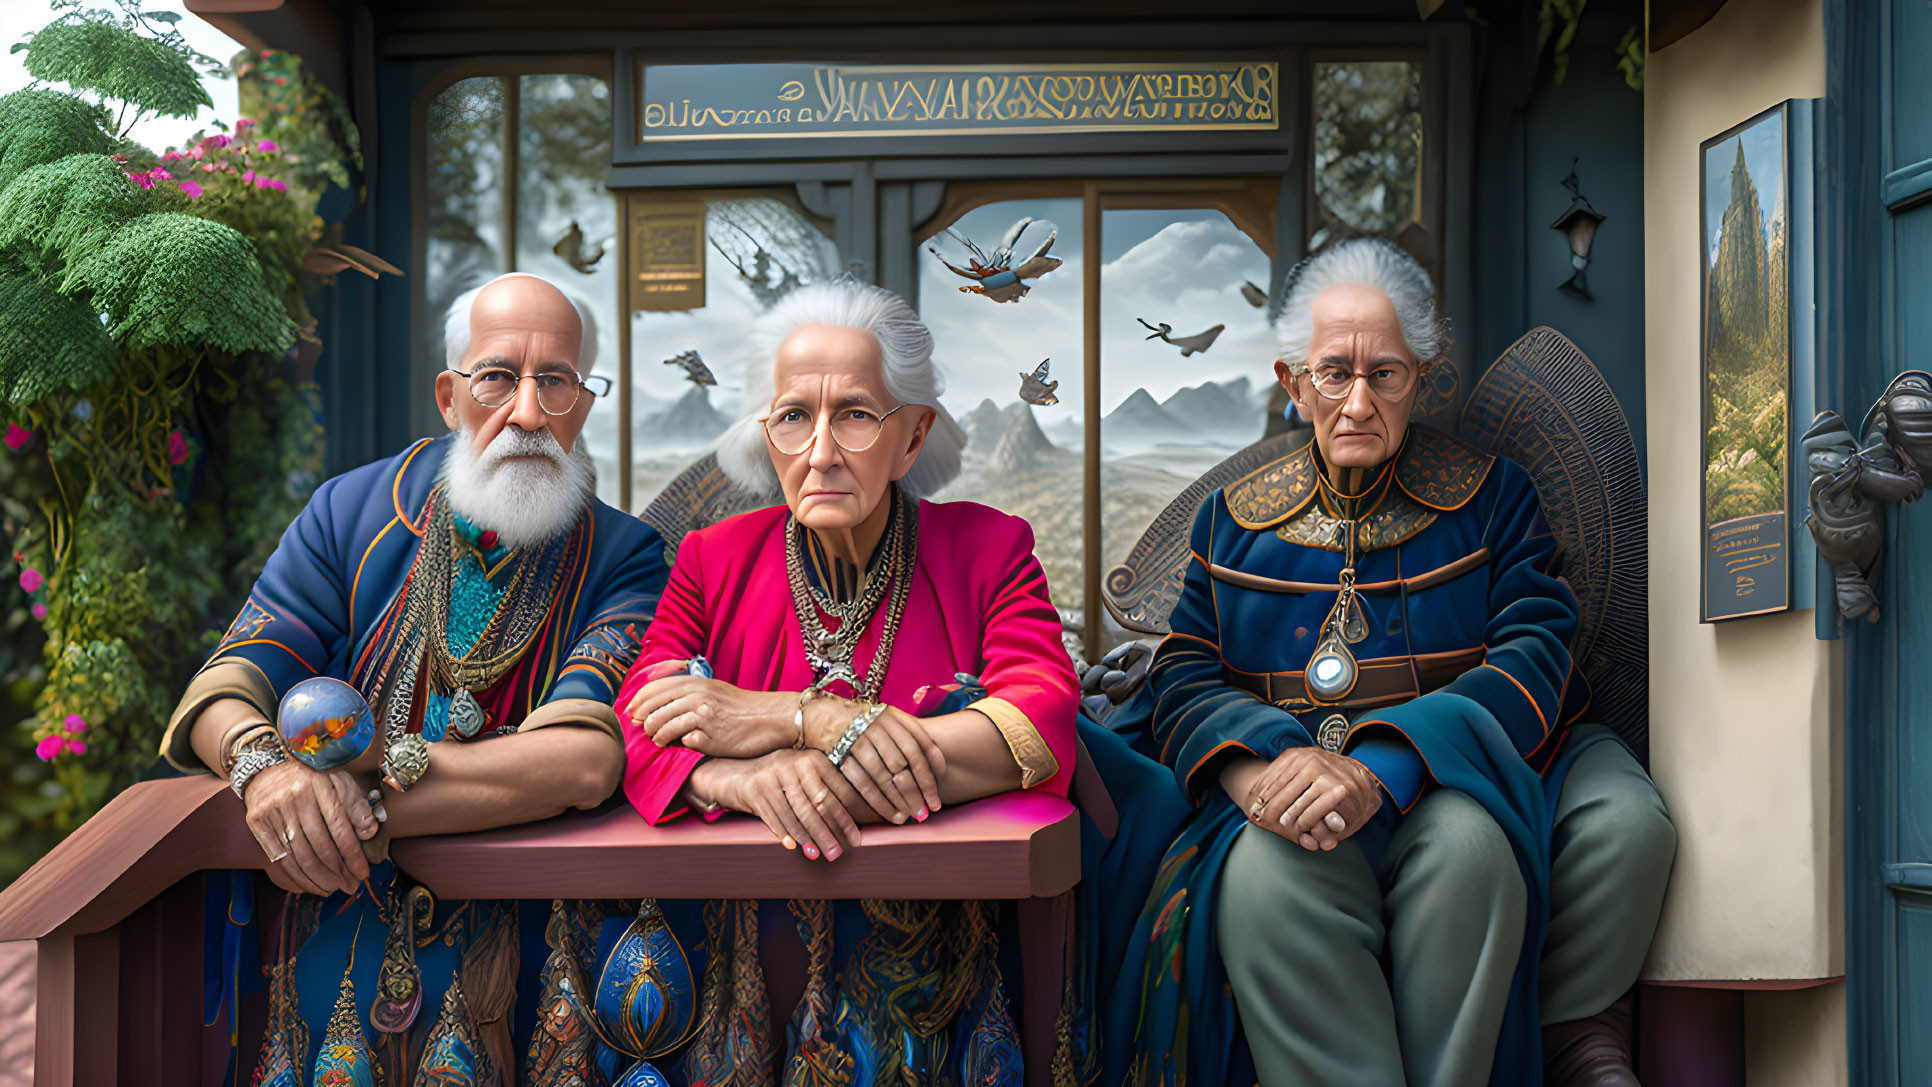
column 142, row 180
column 77, row 747
column 193, row 190
column 249, row 177
column 18, row 436
column 243, row 122
column 75, row 724
column 267, row 145
column 196, row 152
column 39, row 611
column 218, row 140
column 161, row 173
column 48, row 747
column 170, row 155
column 31, row 581
column 177, row 448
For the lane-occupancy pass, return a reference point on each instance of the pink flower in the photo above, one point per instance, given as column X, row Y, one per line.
column 218, row 140
column 197, row 152
column 77, row 747
column 243, row 122
column 161, row 173
column 75, row 724
column 268, row 145
column 142, row 180
column 31, row 581
column 177, row 448
column 249, row 176
column 39, row 611
column 193, row 190
column 18, row 436
column 170, row 155
column 49, row 746
column 207, row 167
column 278, row 186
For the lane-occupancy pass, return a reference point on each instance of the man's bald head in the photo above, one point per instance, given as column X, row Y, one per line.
column 519, row 301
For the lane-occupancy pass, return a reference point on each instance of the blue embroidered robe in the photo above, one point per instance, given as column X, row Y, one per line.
column 329, row 602
column 1465, row 682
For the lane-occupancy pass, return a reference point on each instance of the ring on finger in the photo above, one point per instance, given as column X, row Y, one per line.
column 288, row 834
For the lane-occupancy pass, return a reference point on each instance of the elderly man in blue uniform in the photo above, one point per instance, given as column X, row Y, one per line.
column 1408, row 853
column 486, row 605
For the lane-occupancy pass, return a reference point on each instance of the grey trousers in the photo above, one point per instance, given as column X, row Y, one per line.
column 1305, row 935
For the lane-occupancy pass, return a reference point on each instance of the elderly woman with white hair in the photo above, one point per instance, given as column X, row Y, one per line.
column 1408, row 852
column 869, row 656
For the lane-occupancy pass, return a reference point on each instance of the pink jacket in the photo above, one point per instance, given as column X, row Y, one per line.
column 979, row 605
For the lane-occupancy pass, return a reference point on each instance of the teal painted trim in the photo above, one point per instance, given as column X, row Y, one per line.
column 1909, row 877
column 1908, row 185
column 1802, row 300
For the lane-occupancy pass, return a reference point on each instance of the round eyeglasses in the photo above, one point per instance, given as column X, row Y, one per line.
column 854, row 430
column 557, row 391
column 1389, row 379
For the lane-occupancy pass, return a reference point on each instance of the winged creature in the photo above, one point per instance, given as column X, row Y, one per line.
column 995, row 276
column 1255, row 295
column 695, row 371
column 575, row 253
column 1035, row 388
column 1189, row 345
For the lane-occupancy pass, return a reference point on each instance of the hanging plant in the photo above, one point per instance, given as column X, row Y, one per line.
column 156, row 445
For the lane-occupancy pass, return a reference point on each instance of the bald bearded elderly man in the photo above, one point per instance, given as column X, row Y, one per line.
column 483, row 601
column 1412, row 862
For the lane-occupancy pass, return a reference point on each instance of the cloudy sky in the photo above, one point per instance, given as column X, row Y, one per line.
column 1184, row 268
column 19, row 19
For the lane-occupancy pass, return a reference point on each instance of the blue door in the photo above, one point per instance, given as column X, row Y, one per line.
column 1877, row 267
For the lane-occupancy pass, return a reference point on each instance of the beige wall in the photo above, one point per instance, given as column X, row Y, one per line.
column 1744, row 738
column 1741, row 712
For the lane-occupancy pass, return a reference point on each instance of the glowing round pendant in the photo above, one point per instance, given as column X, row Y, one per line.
column 1331, row 671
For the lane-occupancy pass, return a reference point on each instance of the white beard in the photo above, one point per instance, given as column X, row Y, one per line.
column 527, row 501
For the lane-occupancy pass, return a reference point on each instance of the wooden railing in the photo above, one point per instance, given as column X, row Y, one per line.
column 117, row 909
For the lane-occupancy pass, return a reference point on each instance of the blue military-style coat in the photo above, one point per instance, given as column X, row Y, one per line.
column 1465, row 681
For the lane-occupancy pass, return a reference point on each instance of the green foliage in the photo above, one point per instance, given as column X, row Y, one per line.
column 152, row 460
column 67, row 207
column 1630, row 57
column 1547, row 15
column 117, row 63
column 173, row 280
column 1744, row 458
column 41, row 126
column 317, row 141
column 49, row 342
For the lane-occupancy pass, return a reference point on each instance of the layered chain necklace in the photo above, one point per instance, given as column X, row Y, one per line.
column 1332, row 671
column 516, row 615
column 832, row 652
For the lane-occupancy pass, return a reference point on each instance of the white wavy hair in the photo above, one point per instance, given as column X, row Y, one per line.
column 1380, row 264
column 456, row 323
column 905, row 346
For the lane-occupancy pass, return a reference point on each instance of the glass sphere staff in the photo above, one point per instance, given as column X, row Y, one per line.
column 825, row 617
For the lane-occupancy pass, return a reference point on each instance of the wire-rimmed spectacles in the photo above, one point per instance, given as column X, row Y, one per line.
column 854, row 429
column 557, row 390
column 1389, row 379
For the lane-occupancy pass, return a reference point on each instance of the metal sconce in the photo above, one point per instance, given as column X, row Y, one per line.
column 1852, row 479
column 1579, row 225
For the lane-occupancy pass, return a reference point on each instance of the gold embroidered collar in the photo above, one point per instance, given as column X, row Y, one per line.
column 1433, row 472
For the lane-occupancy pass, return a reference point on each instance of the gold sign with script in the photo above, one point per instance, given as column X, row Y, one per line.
column 666, row 256
column 788, row 101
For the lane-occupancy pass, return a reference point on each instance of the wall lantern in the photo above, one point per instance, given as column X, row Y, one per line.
column 1579, row 225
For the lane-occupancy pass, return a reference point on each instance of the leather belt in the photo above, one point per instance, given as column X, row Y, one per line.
column 1384, row 681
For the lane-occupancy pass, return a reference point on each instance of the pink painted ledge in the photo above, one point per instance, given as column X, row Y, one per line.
column 1020, row 845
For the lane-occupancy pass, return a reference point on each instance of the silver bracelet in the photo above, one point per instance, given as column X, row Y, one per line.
column 853, row 731
column 257, row 756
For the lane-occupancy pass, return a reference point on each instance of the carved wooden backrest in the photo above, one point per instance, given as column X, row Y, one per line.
column 701, row 495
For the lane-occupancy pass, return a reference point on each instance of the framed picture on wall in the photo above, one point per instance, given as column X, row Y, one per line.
column 1745, row 354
